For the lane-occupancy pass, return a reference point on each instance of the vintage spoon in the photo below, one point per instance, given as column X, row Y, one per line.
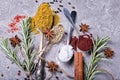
column 66, row 50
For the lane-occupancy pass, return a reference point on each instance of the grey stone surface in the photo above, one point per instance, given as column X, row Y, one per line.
column 103, row 16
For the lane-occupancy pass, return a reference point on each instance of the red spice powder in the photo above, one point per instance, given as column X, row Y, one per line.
column 73, row 42
column 13, row 24
column 85, row 42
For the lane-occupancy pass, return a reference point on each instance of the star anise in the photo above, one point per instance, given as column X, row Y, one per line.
column 52, row 66
column 48, row 33
column 84, row 27
column 15, row 41
column 108, row 52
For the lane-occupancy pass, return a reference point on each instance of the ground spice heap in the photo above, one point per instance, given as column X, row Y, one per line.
column 44, row 18
column 83, row 43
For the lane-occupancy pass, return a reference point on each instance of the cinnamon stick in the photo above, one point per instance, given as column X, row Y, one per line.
column 78, row 66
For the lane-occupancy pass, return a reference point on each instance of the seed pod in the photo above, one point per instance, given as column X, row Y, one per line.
column 58, row 31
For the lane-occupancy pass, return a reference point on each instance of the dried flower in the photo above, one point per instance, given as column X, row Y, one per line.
column 49, row 34
column 15, row 41
column 108, row 52
column 84, row 27
column 52, row 66
column 13, row 24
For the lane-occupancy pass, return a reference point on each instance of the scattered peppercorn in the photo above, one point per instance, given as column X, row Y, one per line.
column 25, row 79
column 51, row 2
column 8, row 67
column 60, row 1
column 59, row 9
column 69, row 3
column 36, row 1
column 19, row 73
column 2, row 75
column 73, row 7
column 57, row 78
column 60, row 5
column 56, row 12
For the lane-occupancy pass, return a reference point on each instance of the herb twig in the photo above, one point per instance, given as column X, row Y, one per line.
column 96, row 56
column 27, row 49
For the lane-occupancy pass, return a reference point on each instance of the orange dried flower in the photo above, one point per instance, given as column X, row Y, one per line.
column 15, row 41
column 48, row 33
column 108, row 52
column 52, row 66
column 84, row 27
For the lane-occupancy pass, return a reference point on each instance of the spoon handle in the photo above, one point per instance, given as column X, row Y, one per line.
column 73, row 16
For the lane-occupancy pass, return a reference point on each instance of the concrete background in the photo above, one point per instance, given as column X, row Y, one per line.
column 103, row 16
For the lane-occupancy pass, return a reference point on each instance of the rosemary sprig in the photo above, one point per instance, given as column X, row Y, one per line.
column 27, row 49
column 96, row 56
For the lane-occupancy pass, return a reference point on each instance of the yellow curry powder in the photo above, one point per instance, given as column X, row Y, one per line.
column 56, row 19
column 43, row 18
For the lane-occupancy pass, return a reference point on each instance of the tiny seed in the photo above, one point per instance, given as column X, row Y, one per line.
column 8, row 67
column 60, row 5
column 73, row 7
column 51, row 2
column 36, row 1
column 56, row 0
column 2, row 75
column 60, row 1
column 59, row 9
column 69, row 3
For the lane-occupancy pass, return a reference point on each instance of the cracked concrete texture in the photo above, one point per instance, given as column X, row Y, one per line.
column 103, row 16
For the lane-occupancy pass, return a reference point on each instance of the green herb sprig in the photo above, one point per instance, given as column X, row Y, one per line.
column 96, row 56
column 27, row 50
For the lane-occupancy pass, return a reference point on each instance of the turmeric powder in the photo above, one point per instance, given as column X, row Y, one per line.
column 43, row 18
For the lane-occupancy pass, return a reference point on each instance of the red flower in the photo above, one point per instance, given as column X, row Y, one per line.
column 12, row 24
column 18, row 18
